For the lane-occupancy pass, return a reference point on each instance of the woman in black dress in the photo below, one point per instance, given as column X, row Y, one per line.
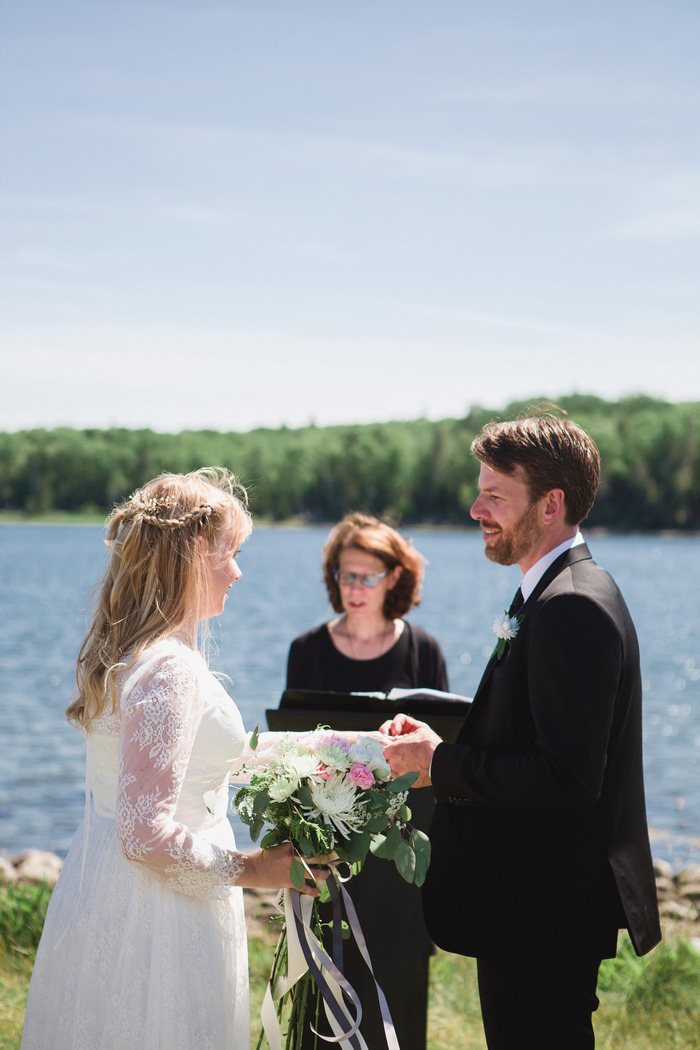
column 373, row 576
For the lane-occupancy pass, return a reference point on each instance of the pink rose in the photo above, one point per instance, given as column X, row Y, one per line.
column 361, row 776
column 324, row 772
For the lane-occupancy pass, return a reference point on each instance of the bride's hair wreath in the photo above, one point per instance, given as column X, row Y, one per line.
column 161, row 540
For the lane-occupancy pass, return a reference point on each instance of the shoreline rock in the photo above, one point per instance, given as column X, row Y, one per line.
column 33, row 866
column 678, row 892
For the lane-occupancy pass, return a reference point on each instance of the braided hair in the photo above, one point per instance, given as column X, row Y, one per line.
column 161, row 540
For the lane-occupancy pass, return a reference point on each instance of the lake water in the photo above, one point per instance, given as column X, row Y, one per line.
column 46, row 576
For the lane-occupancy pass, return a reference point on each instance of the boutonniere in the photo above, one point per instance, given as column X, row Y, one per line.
column 506, row 629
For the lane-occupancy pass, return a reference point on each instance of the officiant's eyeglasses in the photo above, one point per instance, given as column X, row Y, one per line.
column 370, row 579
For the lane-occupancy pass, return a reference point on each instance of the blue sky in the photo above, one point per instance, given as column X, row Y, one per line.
column 242, row 214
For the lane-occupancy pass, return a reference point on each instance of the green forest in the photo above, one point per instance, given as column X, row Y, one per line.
column 410, row 472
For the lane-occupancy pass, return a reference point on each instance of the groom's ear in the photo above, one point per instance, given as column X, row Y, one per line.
column 554, row 506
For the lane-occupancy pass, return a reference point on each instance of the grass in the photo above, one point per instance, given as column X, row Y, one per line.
column 646, row 1004
column 651, row 1003
column 22, row 913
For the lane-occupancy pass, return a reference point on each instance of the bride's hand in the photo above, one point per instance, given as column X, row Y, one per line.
column 270, row 869
column 400, row 725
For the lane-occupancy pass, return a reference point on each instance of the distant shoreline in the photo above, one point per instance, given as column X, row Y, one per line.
column 68, row 517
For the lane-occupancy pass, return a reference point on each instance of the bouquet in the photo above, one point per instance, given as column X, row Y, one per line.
column 327, row 797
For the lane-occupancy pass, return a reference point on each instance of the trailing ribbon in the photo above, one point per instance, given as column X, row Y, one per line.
column 305, row 952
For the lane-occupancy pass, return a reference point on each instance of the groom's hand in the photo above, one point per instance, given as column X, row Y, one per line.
column 410, row 748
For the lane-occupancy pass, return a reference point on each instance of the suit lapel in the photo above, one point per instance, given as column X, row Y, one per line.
column 578, row 553
column 575, row 554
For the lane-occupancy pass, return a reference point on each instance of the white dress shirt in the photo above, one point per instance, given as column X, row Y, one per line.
column 535, row 573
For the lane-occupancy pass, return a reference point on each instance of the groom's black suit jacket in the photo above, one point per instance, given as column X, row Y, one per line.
column 539, row 839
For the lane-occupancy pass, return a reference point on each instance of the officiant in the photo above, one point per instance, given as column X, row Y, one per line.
column 373, row 576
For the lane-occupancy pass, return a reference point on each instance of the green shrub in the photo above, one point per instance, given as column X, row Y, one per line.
column 22, row 913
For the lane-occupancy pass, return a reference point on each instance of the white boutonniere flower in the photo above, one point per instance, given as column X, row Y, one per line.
column 506, row 629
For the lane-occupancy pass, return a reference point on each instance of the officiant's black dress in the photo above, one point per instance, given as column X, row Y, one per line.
column 389, row 909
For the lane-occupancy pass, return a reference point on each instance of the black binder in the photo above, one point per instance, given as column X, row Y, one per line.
column 304, row 709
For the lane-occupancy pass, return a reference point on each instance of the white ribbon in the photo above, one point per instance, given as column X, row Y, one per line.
column 335, row 989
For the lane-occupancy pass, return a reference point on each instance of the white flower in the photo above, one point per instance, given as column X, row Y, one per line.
column 333, row 751
column 370, row 753
column 399, row 800
column 281, row 788
column 300, row 763
column 245, row 808
column 506, row 627
column 335, row 800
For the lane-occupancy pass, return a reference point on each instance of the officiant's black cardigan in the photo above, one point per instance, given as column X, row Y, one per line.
column 539, row 838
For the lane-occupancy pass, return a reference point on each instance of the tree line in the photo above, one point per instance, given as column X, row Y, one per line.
column 411, row 472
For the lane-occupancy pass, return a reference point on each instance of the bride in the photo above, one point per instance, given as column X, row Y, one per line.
column 144, row 946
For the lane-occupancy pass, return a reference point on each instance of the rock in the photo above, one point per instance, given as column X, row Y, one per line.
column 663, row 870
column 691, row 874
column 665, row 888
column 690, row 891
column 36, row 866
column 677, row 910
column 7, row 870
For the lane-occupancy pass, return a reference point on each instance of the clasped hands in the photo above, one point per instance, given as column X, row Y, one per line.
column 410, row 747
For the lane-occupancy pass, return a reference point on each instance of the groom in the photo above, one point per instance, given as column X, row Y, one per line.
column 540, row 851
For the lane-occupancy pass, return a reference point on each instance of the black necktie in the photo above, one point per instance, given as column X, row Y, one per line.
column 516, row 603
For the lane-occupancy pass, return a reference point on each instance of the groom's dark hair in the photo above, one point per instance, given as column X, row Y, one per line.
column 554, row 453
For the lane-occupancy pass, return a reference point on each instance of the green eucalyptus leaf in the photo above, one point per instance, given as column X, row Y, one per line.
column 255, row 738
column 357, row 845
column 377, row 824
column 325, row 892
column 272, row 838
column 421, row 844
column 304, row 796
column 405, row 861
column 393, row 841
column 421, row 869
column 378, row 846
column 402, row 783
column 297, row 873
column 261, row 802
column 404, row 813
column 307, row 847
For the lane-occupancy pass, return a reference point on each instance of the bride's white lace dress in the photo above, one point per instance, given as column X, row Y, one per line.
column 144, row 946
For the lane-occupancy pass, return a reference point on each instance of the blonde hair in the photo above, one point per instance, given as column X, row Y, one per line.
column 157, row 574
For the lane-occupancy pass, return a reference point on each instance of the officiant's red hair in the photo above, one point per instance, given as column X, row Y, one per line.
column 365, row 533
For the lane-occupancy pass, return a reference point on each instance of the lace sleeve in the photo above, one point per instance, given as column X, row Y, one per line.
column 160, row 718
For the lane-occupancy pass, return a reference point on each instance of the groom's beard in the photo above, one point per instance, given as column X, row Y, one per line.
column 514, row 543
